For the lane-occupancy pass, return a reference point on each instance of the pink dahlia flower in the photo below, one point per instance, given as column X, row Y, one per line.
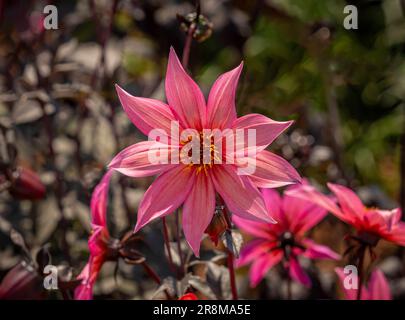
column 377, row 288
column 371, row 223
column 195, row 185
column 284, row 241
column 98, row 242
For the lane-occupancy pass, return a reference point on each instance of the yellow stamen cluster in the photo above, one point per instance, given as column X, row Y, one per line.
column 206, row 142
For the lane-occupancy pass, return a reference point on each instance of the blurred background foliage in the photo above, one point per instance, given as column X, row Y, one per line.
column 60, row 115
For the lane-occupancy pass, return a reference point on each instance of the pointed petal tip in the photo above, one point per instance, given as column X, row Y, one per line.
column 299, row 180
column 173, row 54
column 119, row 89
column 240, row 67
column 197, row 253
column 331, row 185
column 137, row 227
column 121, row 94
column 272, row 220
column 195, row 247
column 112, row 163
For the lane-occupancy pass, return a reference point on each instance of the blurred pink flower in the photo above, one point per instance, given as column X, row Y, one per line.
column 284, row 240
column 195, row 185
column 371, row 223
column 98, row 241
column 377, row 289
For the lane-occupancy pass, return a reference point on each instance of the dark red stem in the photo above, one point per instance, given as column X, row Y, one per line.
column 187, row 45
column 360, row 268
column 230, row 258
column 167, row 244
column 232, row 276
column 178, row 234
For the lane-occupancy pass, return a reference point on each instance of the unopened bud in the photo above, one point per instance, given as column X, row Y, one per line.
column 189, row 296
column 27, row 185
column 21, row 282
column 217, row 226
column 202, row 26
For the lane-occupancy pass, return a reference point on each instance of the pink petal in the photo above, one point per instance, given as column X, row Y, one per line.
column 96, row 241
column 397, row 234
column 198, row 210
column 88, row 276
column 273, row 171
column 274, row 205
column 183, row 95
column 306, row 220
column 253, row 250
column 221, row 111
column 350, row 294
column 267, row 130
column 254, row 228
column 165, row 195
column 134, row 160
column 231, row 186
column 273, row 201
column 99, row 202
column 378, row 286
column 302, row 214
column 85, row 290
column 348, row 201
column 297, row 273
column 262, row 265
column 309, row 193
column 317, row 251
column 146, row 114
column 388, row 218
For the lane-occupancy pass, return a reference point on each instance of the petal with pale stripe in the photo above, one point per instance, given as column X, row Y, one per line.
column 198, row 210
column 165, row 194
column 146, row 114
column 183, row 95
column 221, row 110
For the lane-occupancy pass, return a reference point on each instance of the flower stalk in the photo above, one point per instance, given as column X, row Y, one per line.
column 182, row 270
column 167, row 244
column 360, row 267
column 230, row 257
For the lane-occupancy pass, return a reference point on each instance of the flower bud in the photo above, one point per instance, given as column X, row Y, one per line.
column 202, row 26
column 188, row 296
column 217, row 226
column 22, row 282
column 27, row 185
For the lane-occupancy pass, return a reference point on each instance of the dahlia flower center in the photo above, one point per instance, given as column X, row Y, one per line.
column 201, row 151
column 368, row 238
column 287, row 239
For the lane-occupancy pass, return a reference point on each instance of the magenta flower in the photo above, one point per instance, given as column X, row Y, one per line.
column 285, row 240
column 98, row 242
column 195, row 185
column 371, row 223
column 377, row 289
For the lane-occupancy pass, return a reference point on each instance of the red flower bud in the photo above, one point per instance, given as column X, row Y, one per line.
column 26, row 185
column 21, row 282
column 188, row 296
column 217, row 227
